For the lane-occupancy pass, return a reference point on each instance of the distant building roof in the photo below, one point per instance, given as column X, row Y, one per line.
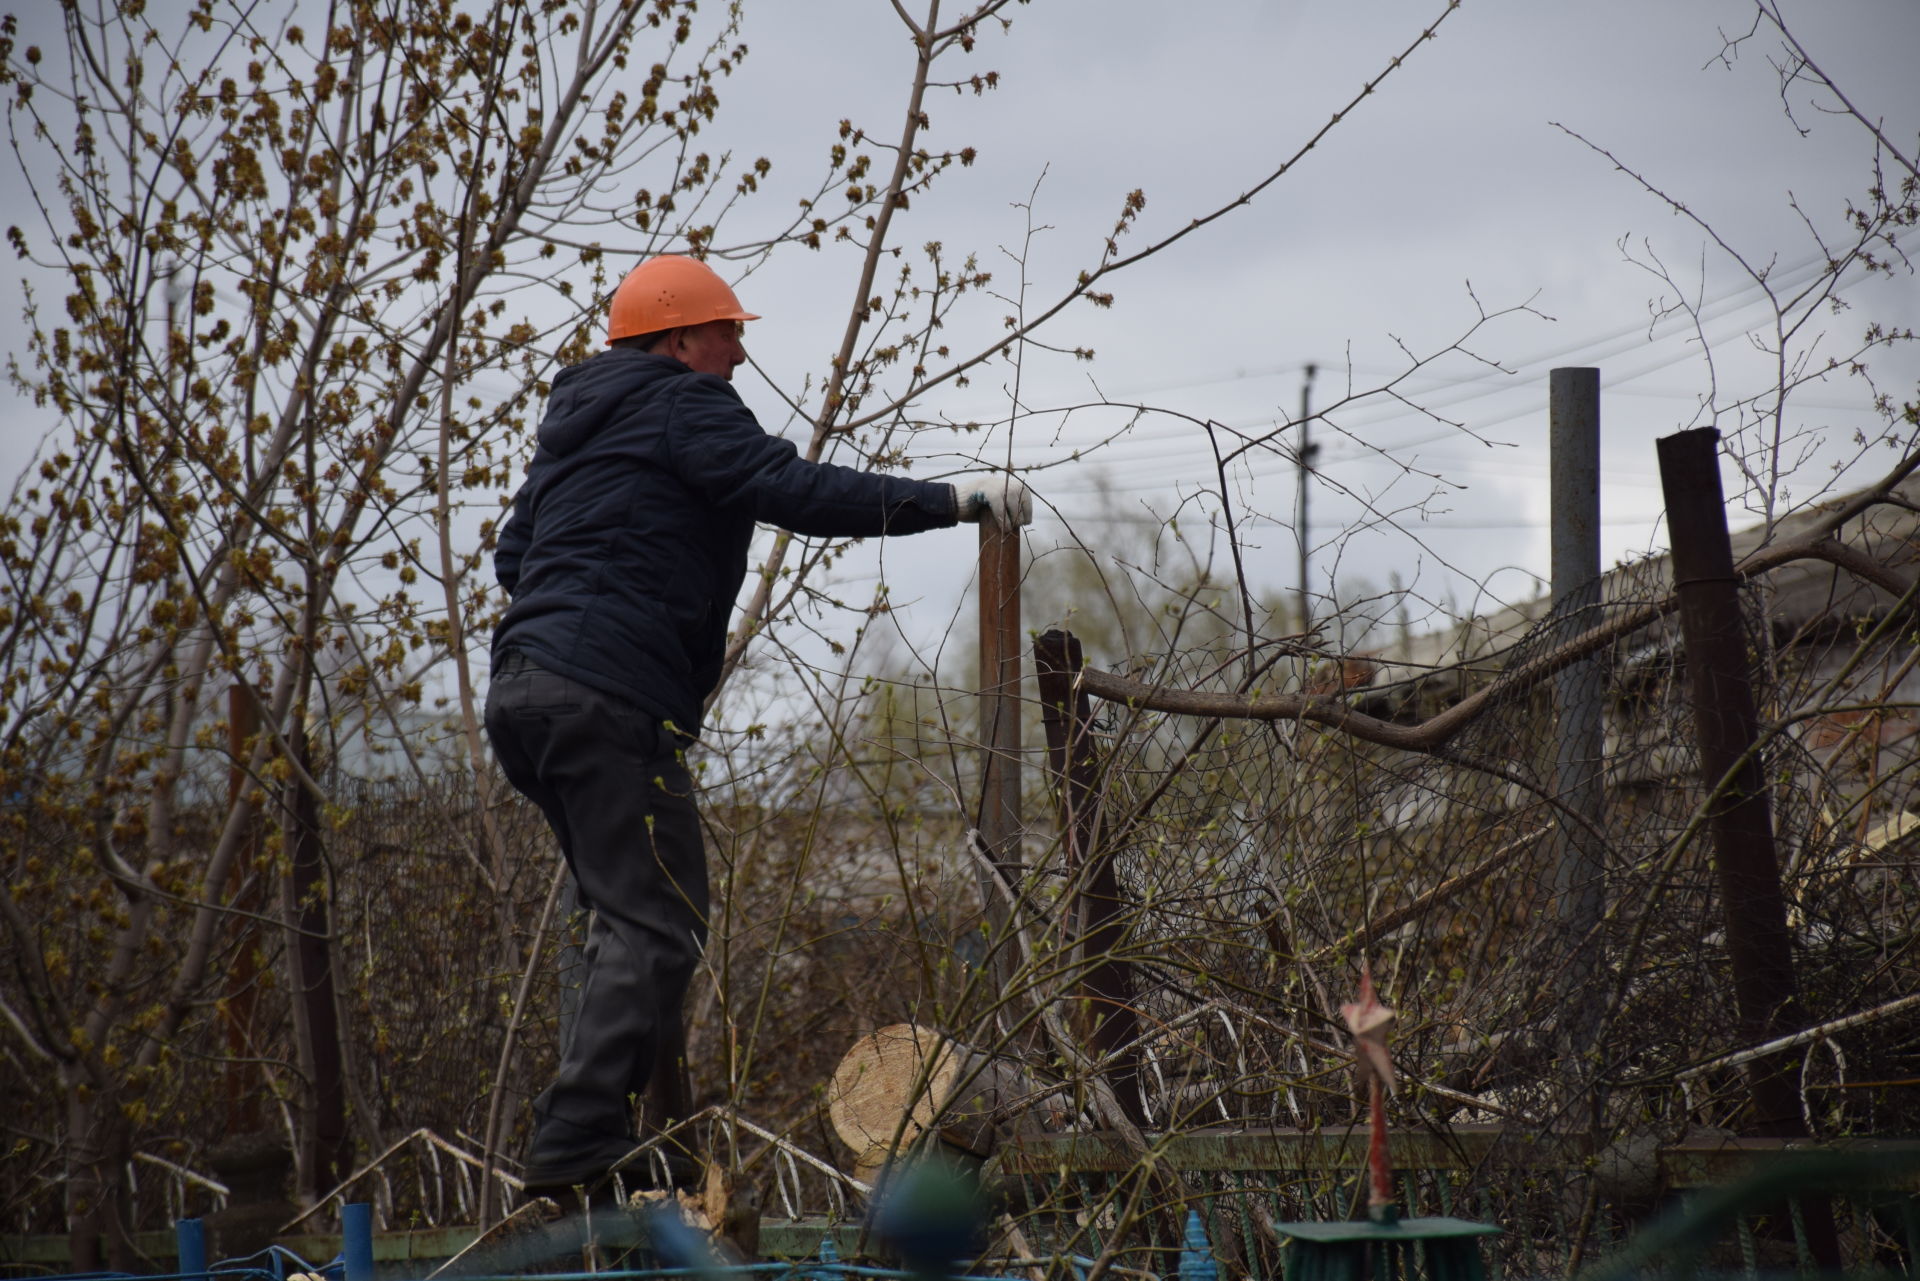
column 1800, row 593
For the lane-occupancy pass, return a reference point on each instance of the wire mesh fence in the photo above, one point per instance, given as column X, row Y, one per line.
column 1256, row 863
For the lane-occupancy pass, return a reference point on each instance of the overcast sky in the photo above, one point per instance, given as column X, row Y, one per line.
column 1450, row 184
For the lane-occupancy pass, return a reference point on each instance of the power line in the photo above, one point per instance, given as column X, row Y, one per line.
column 1580, row 352
column 1147, row 520
column 1180, row 437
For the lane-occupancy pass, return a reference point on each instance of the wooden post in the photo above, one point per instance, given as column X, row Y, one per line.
column 1106, row 984
column 998, row 820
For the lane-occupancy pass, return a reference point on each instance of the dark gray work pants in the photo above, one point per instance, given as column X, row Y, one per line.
column 618, row 796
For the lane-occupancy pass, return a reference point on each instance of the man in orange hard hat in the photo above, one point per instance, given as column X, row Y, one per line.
column 626, row 547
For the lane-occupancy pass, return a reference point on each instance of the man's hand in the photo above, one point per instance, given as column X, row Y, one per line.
column 1007, row 499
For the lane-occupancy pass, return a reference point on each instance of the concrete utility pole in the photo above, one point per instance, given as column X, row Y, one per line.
column 1579, row 772
column 1303, row 463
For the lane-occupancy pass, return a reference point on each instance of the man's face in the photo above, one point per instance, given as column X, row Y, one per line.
column 712, row 348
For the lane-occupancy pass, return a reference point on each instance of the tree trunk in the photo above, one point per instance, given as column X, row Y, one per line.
column 97, row 1232
column 902, row 1081
column 321, row 1160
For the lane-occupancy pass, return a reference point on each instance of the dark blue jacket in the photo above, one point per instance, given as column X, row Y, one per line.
column 628, row 542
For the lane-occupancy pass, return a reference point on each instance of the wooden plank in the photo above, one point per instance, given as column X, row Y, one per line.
column 780, row 1238
column 1713, row 1162
column 1199, row 1151
column 1696, row 1163
column 56, row 1249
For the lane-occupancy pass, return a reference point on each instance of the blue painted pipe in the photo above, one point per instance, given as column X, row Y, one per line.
column 356, row 1240
column 191, row 1238
column 1196, row 1257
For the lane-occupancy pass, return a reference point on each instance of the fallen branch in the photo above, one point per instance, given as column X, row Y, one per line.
column 1430, row 735
column 1432, row 898
column 1803, row 1037
column 458, row 1153
column 212, row 1185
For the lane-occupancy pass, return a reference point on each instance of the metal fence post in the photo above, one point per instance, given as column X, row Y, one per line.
column 190, row 1236
column 356, row 1240
column 1740, row 820
column 1726, row 727
column 1579, row 771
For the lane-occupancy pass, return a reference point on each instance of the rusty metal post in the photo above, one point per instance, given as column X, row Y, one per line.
column 1105, row 990
column 998, row 820
column 1727, row 728
column 1740, row 821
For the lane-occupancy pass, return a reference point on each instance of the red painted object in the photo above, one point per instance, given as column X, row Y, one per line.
column 1369, row 1020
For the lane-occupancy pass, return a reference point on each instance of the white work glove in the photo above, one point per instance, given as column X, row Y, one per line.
column 1007, row 499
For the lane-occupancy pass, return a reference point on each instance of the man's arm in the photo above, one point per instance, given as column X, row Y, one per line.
column 724, row 455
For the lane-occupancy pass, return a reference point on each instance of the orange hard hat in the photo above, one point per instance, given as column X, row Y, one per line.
column 669, row 292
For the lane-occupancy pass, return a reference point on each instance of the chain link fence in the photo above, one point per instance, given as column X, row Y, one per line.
column 1257, row 864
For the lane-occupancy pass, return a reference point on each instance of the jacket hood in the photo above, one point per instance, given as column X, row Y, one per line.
column 586, row 396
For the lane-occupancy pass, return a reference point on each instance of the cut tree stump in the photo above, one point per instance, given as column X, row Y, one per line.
column 968, row 1098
